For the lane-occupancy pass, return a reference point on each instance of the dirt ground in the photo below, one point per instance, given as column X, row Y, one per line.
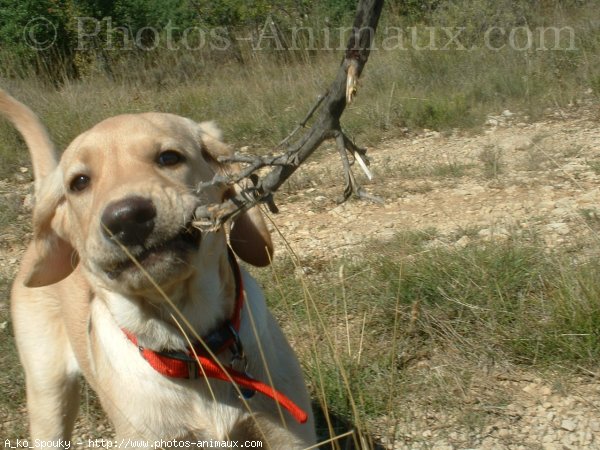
column 513, row 176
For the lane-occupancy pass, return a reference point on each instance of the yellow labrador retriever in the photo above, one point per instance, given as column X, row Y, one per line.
column 118, row 285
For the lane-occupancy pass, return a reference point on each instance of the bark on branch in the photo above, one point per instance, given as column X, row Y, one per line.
column 329, row 107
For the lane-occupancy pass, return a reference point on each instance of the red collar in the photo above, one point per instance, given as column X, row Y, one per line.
column 187, row 365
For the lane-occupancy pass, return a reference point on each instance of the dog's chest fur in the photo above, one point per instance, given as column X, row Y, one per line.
column 182, row 408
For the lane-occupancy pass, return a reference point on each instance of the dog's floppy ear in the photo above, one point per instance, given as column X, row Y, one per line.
column 55, row 257
column 249, row 236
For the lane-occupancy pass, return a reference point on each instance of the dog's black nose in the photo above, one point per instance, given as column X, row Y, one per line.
column 129, row 221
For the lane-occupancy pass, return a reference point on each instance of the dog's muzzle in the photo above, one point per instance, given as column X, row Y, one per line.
column 130, row 222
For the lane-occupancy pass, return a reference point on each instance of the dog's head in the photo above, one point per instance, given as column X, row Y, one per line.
column 121, row 202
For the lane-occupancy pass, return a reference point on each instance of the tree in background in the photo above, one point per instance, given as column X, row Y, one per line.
column 37, row 34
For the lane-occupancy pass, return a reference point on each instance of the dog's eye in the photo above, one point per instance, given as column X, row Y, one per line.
column 169, row 158
column 79, row 183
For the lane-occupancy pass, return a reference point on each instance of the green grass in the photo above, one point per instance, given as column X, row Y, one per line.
column 450, row 170
column 491, row 158
column 594, row 165
column 591, row 218
column 403, row 304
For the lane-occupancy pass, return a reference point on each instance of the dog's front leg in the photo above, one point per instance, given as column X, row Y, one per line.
column 52, row 404
column 51, row 371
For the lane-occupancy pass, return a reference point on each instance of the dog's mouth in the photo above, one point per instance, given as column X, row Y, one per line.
column 188, row 240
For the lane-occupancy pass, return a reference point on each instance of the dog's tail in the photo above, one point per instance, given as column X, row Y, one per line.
column 41, row 148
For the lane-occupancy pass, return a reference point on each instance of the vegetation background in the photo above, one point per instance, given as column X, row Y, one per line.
column 255, row 68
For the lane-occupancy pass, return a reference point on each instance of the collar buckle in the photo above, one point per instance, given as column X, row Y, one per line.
column 238, row 361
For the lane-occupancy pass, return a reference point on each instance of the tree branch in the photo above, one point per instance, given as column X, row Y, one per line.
column 302, row 124
column 326, row 126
